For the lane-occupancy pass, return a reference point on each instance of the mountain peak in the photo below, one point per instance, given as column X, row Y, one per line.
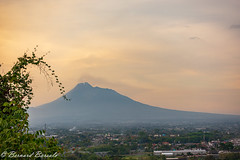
column 85, row 84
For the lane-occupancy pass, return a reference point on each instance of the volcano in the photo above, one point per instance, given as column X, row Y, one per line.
column 95, row 105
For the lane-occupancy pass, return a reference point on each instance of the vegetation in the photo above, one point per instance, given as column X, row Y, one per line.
column 139, row 143
column 15, row 97
column 91, row 156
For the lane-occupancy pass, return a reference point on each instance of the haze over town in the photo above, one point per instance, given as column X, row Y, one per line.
column 182, row 55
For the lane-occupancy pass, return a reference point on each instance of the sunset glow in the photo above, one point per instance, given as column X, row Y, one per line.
column 182, row 55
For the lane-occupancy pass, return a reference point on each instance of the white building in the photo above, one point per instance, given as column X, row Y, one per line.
column 180, row 152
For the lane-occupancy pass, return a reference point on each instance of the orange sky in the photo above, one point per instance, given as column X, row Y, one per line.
column 181, row 54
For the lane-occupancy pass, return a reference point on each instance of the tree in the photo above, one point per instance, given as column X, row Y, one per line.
column 15, row 98
column 210, row 157
column 230, row 156
column 226, row 146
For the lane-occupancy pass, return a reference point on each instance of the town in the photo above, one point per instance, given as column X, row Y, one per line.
column 149, row 142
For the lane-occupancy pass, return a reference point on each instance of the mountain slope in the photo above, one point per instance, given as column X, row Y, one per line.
column 91, row 105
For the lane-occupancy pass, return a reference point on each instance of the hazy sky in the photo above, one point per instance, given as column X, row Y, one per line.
column 177, row 54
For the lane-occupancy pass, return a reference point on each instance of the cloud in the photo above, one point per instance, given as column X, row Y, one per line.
column 235, row 26
column 194, row 38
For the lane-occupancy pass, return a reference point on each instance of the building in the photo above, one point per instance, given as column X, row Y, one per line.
column 54, row 135
column 101, row 154
column 180, row 152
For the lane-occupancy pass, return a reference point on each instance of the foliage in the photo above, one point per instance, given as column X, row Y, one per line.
column 226, row 146
column 210, row 157
column 112, row 149
column 230, row 156
column 15, row 97
column 92, row 156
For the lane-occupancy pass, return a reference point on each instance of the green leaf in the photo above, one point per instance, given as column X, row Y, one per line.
column 5, row 104
column 5, row 109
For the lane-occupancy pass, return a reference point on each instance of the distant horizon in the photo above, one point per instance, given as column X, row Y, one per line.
column 183, row 55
